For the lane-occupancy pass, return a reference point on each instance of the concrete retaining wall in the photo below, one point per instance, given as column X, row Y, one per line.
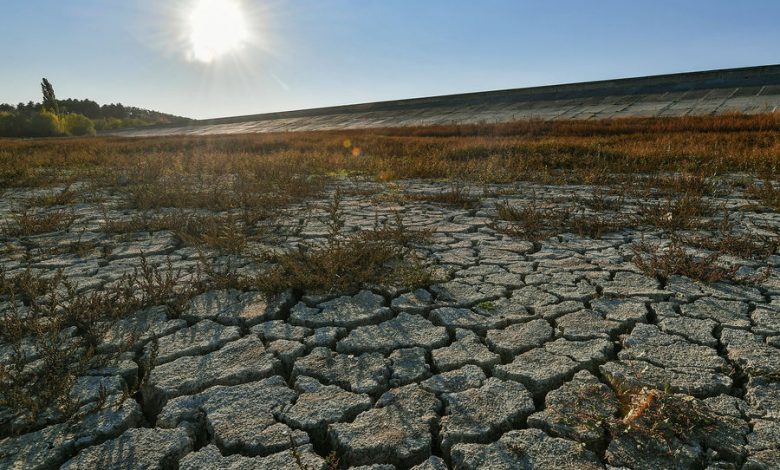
column 746, row 90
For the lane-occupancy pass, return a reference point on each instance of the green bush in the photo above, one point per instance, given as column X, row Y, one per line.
column 107, row 123
column 13, row 124
column 44, row 124
column 78, row 124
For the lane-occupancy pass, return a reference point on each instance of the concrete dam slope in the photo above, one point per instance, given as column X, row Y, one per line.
column 748, row 90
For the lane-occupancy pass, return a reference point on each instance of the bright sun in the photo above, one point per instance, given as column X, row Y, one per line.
column 216, row 28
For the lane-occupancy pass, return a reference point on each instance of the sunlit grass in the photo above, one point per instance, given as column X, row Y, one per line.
column 561, row 151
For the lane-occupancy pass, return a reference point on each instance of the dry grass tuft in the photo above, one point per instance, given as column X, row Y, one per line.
column 27, row 223
column 225, row 232
column 55, row 333
column 674, row 213
column 766, row 193
column 650, row 414
column 383, row 256
column 457, row 195
column 533, row 223
column 674, row 260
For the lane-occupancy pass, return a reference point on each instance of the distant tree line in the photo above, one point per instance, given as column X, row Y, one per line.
column 54, row 117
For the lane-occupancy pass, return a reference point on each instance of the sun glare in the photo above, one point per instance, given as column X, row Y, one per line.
column 216, row 28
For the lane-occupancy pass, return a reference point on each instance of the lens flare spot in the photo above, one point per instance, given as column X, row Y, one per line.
column 347, row 143
column 356, row 152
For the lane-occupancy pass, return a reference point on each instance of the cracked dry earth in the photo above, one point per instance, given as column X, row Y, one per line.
column 525, row 355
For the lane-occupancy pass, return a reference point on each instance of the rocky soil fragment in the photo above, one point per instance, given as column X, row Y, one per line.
column 467, row 349
column 231, row 307
column 580, row 410
column 539, row 370
column 239, row 418
column 240, row 361
column 458, row 380
column 519, row 338
column 408, row 365
column 136, row 448
column 664, row 361
column 481, row 414
column 209, row 458
column 397, row 431
column 525, row 449
column 366, row 373
column 319, row 405
column 203, row 337
column 364, row 308
column 404, row 331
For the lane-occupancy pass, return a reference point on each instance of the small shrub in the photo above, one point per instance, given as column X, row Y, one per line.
column 457, row 196
column 26, row 223
column 383, row 256
column 223, row 232
column 766, row 193
column 602, row 200
column 534, row 223
column 674, row 213
column 58, row 198
column 78, row 125
column 744, row 245
column 674, row 260
column 528, row 221
column 65, row 329
column 650, row 414
column 344, row 267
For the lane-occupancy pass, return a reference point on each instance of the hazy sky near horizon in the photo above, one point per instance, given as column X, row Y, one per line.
column 311, row 53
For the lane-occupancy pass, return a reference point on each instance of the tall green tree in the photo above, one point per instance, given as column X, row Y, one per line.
column 49, row 100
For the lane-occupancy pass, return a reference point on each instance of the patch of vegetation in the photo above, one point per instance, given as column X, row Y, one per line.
column 533, row 223
column 27, row 223
column 53, row 117
column 662, row 263
column 650, row 414
column 728, row 241
column 225, row 232
column 486, row 305
column 767, row 194
column 382, row 256
column 57, row 198
column 344, row 266
column 457, row 196
column 528, row 221
column 54, row 333
column 602, row 200
column 634, row 153
column 674, row 213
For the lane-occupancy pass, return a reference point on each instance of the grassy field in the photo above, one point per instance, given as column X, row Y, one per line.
column 564, row 151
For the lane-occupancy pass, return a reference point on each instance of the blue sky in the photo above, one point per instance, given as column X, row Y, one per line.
column 310, row 53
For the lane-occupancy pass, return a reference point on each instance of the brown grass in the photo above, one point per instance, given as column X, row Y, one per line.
column 345, row 263
column 656, row 415
column 674, row 213
column 675, row 260
column 535, row 223
column 563, row 151
column 457, row 195
column 43, row 309
column 226, row 232
column 767, row 193
column 28, row 223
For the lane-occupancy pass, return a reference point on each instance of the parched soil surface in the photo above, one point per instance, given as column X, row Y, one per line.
column 532, row 349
